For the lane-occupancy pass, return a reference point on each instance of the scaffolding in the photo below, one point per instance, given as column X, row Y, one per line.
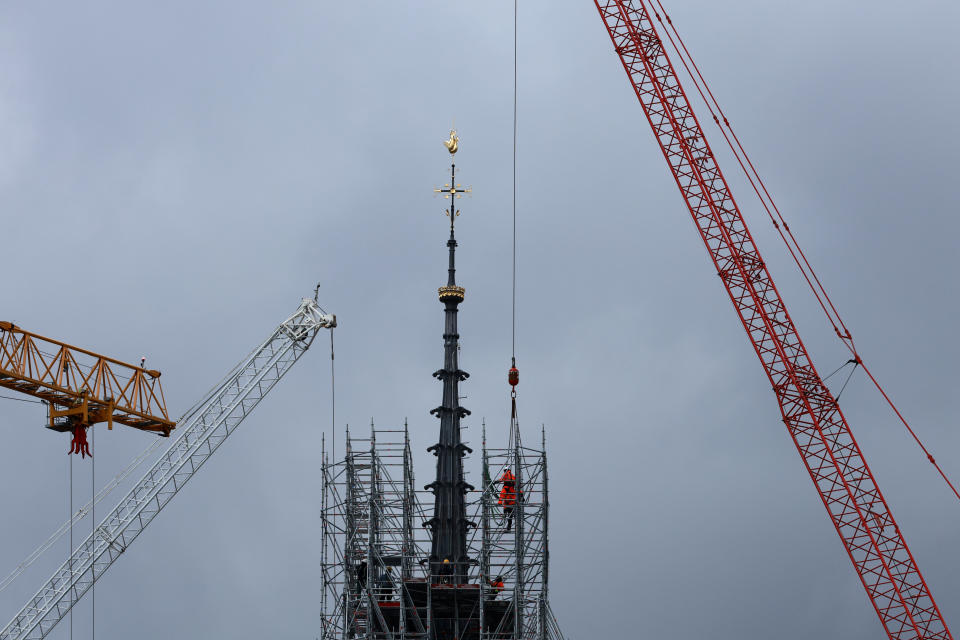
column 375, row 550
column 371, row 551
column 513, row 541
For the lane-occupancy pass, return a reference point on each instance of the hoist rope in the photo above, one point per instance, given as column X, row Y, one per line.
column 70, row 552
column 21, row 399
column 93, row 536
column 513, row 339
column 333, row 403
column 79, row 514
column 779, row 222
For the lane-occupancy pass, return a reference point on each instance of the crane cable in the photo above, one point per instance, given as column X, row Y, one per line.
column 513, row 341
column 93, row 537
column 79, row 514
column 780, row 223
column 513, row 375
column 333, row 385
column 22, row 399
column 333, row 403
column 70, row 550
column 756, row 182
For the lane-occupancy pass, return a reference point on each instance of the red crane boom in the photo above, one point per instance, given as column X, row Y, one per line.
column 811, row 413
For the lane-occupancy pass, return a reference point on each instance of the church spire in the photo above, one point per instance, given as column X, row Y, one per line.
column 449, row 523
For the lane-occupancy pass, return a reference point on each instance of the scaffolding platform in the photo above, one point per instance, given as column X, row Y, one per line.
column 375, row 549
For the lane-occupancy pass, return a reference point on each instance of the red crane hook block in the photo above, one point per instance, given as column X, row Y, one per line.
column 79, row 443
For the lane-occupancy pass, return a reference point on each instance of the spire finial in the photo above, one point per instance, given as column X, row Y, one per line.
column 451, row 190
column 452, row 144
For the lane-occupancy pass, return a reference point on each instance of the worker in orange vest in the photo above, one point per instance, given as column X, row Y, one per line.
column 508, row 496
column 496, row 586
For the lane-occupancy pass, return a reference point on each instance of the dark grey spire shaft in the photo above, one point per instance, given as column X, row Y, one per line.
column 449, row 523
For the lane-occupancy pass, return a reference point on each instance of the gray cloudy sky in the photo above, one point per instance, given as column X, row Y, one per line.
column 175, row 176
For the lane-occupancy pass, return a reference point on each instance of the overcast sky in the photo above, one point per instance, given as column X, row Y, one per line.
column 176, row 176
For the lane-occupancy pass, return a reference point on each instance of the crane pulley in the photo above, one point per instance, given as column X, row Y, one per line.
column 82, row 388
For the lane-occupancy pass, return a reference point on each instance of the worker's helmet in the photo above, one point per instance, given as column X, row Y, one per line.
column 499, row 578
column 446, row 561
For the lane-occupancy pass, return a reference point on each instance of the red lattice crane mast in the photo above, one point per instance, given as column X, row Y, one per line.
column 811, row 413
column 81, row 387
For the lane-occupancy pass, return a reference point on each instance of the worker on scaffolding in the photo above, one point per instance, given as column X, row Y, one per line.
column 496, row 587
column 384, row 585
column 362, row 576
column 445, row 572
column 508, row 496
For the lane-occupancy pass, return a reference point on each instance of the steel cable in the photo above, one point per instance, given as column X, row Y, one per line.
column 333, row 401
column 79, row 514
column 513, row 342
column 766, row 200
column 22, row 399
column 70, row 552
column 93, row 531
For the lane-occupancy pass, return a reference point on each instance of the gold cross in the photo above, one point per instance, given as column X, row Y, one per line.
column 453, row 190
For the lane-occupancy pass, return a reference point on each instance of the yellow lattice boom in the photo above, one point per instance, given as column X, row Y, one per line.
column 82, row 387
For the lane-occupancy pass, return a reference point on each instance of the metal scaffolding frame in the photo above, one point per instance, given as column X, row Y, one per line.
column 375, row 550
column 371, row 551
column 520, row 556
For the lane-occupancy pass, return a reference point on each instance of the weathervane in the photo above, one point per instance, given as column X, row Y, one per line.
column 451, row 190
column 453, row 142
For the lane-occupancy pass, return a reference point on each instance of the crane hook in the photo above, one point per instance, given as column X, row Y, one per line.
column 79, row 443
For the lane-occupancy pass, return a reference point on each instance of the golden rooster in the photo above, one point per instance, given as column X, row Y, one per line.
column 453, row 143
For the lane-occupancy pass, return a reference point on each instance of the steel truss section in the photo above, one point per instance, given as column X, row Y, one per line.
column 809, row 410
column 371, row 516
column 520, row 556
column 203, row 431
column 81, row 387
column 371, row 550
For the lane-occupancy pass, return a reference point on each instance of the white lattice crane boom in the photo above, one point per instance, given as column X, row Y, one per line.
column 201, row 433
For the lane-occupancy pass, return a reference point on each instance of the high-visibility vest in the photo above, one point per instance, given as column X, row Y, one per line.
column 508, row 494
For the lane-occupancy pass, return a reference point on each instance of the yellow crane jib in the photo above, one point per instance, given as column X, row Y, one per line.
column 82, row 388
